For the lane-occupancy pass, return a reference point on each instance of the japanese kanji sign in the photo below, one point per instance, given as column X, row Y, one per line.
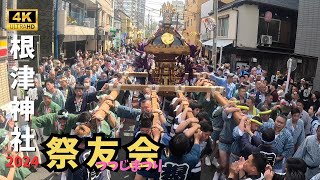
column 24, row 46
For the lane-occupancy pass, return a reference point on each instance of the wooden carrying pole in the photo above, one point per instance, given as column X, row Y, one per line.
column 189, row 114
column 101, row 113
column 155, row 105
column 169, row 88
column 135, row 74
column 216, row 90
column 223, row 101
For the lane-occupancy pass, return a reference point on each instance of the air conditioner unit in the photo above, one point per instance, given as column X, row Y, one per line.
column 266, row 40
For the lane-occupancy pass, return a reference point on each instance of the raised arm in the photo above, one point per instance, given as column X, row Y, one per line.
column 220, row 81
column 126, row 112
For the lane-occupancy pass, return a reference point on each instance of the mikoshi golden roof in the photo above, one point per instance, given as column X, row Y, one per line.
column 167, row 41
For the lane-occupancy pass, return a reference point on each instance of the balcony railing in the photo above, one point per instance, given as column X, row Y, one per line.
column 80, row 20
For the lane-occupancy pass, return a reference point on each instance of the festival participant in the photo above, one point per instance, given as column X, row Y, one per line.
column 226, row 140
column 71, row 80
column 248, row 134
column 132, row 113
column 66, row 90
column 108, row 125
column 217, row 125
column 283, row 142
column 267, row 103
column 237, row 133
column 7, row 122
column 47, row 105
column 306, row 93
column 84, row 132
column 107, row 68
column 5, row 151
column 227, row 83
column 309, row 151
column 181, row 121
column 253, row 111
column 242, row 95
column 42, row 73
column 102, row 80
column 314, row 120
column 265, row 114
column 157, row 133
column 208, row 104
column 261, row 94
column 295, row 170
column 81, row 101
column 316, row 177
column 273, row 91
column 58, row 123
column 146, row 94
column 295, row 98
column 35, row 94
column 88, row 88
column 263, row 144
column 52, row 75
column 57, row 95
column 205, row 148
column 296, row 127
column 252, row 168
column 304, row 116
column 314, row 100
column 180, row 155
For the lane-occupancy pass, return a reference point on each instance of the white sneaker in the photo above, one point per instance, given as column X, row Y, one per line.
column 207, row 161
column 216, row 176
column 215, row 162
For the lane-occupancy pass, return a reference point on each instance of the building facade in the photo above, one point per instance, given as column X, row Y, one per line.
column 6, row 93
column 178, row 20
column 192, row 20
column 118, row 4
column 308, row 34
column 82, row 25
column 135, row 9
column 246, row 37
column 85, row 25
column 141, row 8
column 125, row 26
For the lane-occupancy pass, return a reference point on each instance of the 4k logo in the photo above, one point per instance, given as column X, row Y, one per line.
column 22, row 19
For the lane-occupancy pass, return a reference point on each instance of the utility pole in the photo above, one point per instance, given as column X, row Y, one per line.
column 177, row 18
column 214, row 34
column 151, row 26
column 97, row 27
column 149, row 23
column 56, row 40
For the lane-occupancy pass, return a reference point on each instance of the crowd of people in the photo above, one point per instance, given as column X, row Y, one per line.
column 278, row 136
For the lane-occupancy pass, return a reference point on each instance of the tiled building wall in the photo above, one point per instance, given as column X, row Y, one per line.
column 308, row 34
column 4, row 90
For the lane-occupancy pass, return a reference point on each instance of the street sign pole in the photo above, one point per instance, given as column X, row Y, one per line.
column 215, row 33
column 289, row 73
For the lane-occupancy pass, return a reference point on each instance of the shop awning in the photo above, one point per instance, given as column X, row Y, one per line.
column 220, row 42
